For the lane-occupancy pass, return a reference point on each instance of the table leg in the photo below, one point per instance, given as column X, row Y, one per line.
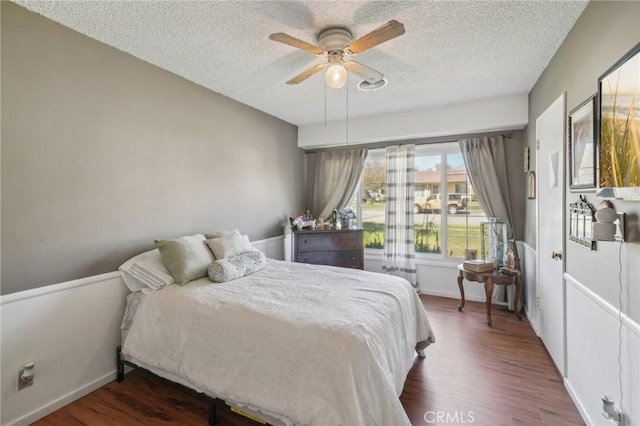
column 461, row 305
column 517, row 298
column 488, row 290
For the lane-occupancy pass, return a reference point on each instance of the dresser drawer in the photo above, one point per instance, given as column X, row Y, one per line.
column 324, row 241
column 344, row 258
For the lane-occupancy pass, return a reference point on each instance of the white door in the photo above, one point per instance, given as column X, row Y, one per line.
column 550, row 135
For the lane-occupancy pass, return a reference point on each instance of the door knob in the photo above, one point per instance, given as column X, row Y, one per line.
column 556, row 255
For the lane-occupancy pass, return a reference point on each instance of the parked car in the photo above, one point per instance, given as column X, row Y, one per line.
column 433, row 203
column 371, row 195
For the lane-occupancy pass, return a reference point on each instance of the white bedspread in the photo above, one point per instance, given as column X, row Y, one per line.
column 316, row 345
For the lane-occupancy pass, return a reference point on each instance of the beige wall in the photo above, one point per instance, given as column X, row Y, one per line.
column 604, row 33
column 102, row 153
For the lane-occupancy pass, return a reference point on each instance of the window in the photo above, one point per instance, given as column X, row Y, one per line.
column 427, row 224
column 447, row 215
column 463, row 211
column 371, row 201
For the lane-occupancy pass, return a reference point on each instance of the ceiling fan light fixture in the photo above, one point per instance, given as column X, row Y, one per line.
column 334, row 44
column 336, row 75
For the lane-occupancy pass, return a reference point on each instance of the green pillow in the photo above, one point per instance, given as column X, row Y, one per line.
column 187, row 258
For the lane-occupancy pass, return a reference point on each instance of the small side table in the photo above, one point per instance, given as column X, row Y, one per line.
column 490, row 278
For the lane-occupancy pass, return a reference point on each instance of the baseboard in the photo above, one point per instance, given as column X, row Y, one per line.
column 56, row 404
column 577, row 402
column 533, row 325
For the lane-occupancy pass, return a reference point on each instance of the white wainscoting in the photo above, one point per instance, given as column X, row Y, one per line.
column 71, row 331
column 436, row 277
column 273, row 247
column 528, row 260
column 592, row 355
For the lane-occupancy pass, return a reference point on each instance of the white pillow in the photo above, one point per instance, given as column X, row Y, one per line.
column 229, row 245
column 146, row 272
column 218, row 234
column 237, row 266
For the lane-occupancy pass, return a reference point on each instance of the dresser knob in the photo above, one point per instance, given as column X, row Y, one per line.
column 353, row 240
column 305, row 241
column 353, row 258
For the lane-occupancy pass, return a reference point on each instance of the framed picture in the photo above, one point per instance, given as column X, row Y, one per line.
column 619, row 119
column 470, row 254
column 531, row 185
column 582, row 146
column 526, row 159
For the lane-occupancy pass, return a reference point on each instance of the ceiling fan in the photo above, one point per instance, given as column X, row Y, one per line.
column 335, row 44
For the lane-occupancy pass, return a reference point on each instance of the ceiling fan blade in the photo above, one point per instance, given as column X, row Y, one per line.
column 306, row 74
column 363, row 71
column 295, row 42
column 391, row 29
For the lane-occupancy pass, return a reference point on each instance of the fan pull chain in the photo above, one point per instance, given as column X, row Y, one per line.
column 325, row 107
column 347, row 111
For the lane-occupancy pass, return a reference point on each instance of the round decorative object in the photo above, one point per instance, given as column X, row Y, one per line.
column 606, row 215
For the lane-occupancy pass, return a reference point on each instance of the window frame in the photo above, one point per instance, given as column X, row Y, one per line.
column 443, row 150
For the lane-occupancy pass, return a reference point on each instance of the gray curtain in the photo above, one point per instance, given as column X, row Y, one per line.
column 484, row 159
column 335, row 180
column 399, row 253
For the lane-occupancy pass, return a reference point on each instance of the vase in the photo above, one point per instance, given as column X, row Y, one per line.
column 345, row 224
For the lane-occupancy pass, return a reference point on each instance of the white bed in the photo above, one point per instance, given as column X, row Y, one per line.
column 304, row 344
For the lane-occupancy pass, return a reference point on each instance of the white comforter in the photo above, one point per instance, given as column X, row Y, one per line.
column 312, row 345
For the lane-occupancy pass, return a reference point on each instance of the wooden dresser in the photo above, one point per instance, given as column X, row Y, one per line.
column 336, row 248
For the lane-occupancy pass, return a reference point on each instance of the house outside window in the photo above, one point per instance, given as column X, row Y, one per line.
column 446, row 222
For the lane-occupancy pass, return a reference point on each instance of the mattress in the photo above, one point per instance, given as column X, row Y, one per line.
column 305, row 344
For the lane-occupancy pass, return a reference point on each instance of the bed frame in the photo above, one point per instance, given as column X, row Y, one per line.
column 214, row 403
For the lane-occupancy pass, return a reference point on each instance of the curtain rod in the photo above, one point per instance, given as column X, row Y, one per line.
column 420, row 141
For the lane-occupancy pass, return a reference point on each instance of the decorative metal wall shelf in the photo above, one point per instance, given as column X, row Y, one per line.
column 581, row 216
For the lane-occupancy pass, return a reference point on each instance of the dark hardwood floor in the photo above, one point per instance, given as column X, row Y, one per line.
column 473, row 374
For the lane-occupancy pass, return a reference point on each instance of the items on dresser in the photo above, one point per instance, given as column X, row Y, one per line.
column 329, row 247
column 304, row 221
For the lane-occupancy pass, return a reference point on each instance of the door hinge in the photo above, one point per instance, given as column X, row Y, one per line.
column 537, row 144
column 538, row 302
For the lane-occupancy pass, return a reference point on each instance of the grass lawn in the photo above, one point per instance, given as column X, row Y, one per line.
column 377, row 206
column 427, row 238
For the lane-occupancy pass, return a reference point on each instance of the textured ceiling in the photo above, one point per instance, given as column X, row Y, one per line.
column 452, row 51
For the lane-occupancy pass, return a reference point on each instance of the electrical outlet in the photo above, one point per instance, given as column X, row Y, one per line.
column 21, row 383
column 611, row 411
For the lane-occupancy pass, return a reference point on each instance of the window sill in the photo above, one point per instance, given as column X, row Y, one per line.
column 421, row 259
